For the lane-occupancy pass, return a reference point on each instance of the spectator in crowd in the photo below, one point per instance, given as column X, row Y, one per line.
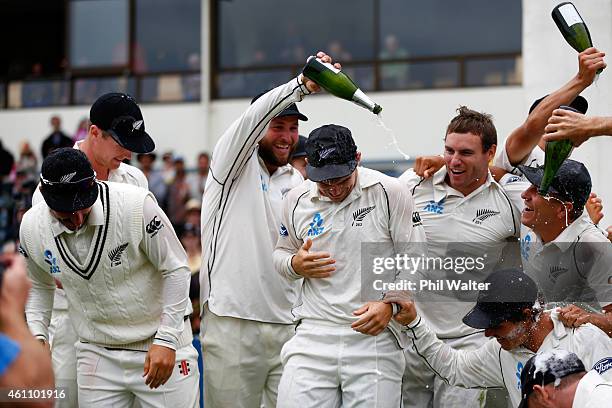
column 27, row 161
column 508, row 311
column 393, row 75
column 110, row 244
column 197, row 180
column 298, row 157
column 24, row 362
column 56, row 139
column 155, row 178
column 7, row 160
column 81, row 132
column 193, row 210
column 247, row 314
column 167, row 169
column 559, row 379
column 178, row 193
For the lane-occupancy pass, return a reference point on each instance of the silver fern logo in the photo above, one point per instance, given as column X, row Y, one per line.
column 66, row 178
column 359, row 215
column 115, row 254
column 556, row 271
column 136, row 125
column 483, row 214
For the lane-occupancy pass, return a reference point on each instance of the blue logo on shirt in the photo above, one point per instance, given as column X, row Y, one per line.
column 316, row 226
column 264, row 185
column 52, row 261
column 513, row 179
column 603, row 365
column 283, row 231
column 519, row 370
column 525, row 246
column 434, row 207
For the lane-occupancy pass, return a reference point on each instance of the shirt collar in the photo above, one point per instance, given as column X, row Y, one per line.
column 279, row 171
column 441, row 189
column 95, row 217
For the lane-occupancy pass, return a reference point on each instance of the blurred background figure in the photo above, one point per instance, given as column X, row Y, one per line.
column 168, row 167
column 81, row 132
column 192, row 212
column 146, row 162
column 298, row 158
column 197, row 180
column 178, row 194
column 27, row 162
column 393, row 76
column 56, row 139
column 7, row 230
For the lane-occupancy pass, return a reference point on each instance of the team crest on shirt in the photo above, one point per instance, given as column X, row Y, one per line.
column 435, row 207
column 52, row 261
column 154, row 226
column 360, row 214
column 316, row 226
column 603, row 365
column 115, row 254
column 483, row 214
column 556, row 271
column 184, row 368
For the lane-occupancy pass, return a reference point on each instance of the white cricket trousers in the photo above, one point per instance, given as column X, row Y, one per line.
column 422, row 388
column 63, row 354
column 114, row 378
column 241, row 357
column 328, row 365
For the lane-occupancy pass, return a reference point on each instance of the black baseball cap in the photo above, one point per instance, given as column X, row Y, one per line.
column 572, row 182
column 510, row 291
column 579, row 104
column 291, row 110
column 119, row 115
column 300, row 148
column 331, row 151
column 547, row 367
column 67, row 181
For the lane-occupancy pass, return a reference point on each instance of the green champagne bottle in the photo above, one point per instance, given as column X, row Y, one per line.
column 556, row 152
column 572, row 27
column 337, row 83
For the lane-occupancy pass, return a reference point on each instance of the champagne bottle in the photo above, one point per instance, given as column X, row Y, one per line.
column 572, row 27
column 556, row 152
column 337, row 83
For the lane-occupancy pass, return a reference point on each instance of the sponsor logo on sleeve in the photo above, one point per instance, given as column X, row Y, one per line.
column 603, row 365
column 154, row 226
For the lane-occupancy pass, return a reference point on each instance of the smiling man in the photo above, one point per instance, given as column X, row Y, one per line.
column 461, row 203
column 508, row 312
column 246, row 306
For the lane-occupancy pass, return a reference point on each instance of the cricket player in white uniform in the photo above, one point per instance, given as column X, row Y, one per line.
column 460, row 204
column 116, row 131
column 343, row 353
column 505, row 310
column 246, row 313
column 125, row 276
column 558, row 378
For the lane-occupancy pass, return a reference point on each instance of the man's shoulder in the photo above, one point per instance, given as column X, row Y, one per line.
column 134, row 175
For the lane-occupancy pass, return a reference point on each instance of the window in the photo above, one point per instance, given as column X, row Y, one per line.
column 87, row 90
column 382, row 44
column 99, row 33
